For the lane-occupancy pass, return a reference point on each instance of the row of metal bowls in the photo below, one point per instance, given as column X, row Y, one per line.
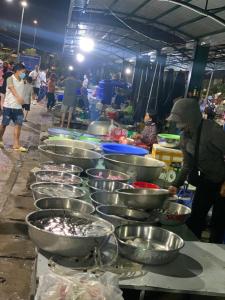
column 161, row 247
column 140, row 168
column 136, row 167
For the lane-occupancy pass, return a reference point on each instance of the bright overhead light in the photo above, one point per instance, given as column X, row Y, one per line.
column 10, row 1
column 86, row 44
column 70, row 68
column 24, row 3
column 128, row 71
column 80, row 57
column 35, row 22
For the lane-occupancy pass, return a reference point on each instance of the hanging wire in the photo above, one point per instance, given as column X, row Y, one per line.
column 135, row 30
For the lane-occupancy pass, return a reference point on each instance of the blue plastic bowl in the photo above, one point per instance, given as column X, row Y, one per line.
column 114, row 148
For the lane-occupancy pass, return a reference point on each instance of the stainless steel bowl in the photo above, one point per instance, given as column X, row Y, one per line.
column 104, row 174
column 49, row 189
column 146, row 199
column 65, row 203
column 174, row 214
column 61, row 177
column 75, row 246
column 99, row 127
column 105, row 185
column 106, row 198
column 68, row 168
column 160, row 246
column 71, row 143
column 137, row 167
column 119, row 215
column 83, row 158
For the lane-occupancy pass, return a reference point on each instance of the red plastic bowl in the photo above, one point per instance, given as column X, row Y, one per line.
column 145, row 185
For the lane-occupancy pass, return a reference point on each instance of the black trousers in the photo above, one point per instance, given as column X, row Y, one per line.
column 207, row 195
column 51, row 100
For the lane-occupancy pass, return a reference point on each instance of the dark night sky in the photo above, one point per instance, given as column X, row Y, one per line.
column 51, row 15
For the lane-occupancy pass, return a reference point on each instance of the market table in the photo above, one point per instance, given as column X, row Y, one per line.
column 199, row 269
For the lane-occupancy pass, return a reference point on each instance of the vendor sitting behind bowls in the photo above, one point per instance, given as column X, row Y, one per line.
column 207, row 169
column 149, row 134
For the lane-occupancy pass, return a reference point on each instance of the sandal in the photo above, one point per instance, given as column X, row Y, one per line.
column 1, row 145
column 21, row 149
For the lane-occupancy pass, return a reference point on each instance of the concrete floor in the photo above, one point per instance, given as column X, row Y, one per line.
column 17, row 253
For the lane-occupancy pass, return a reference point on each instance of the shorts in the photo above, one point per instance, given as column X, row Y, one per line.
column 16, row 115
column 66, row 108
column 26, row 107
column 36, row 90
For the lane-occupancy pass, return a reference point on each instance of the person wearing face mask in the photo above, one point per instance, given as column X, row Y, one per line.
column 203, row 146
column 12, row 109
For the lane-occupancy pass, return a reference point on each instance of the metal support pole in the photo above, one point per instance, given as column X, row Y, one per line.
column 153, row 81
column 210, row 82
column 21, row 27
column 35, row 34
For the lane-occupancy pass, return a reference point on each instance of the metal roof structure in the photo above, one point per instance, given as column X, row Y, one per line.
column 127, row 28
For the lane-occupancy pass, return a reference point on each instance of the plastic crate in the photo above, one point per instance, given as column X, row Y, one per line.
column 167, row 155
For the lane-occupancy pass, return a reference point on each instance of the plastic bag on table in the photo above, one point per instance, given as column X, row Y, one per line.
column 83, row 286
column 54, row 287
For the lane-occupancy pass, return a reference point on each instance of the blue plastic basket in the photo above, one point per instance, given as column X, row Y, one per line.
column 114, row 148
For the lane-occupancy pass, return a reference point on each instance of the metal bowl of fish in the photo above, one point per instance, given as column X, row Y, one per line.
column 137, row 167
column 71, row 143
column 120, row 215
column 53, row 189
column 59, row 177
column 68, row 168
column 64, row 203
column 147, row 199
column 67, row 233
column 147, row 244
column 110, row 175
column 106, row 198
column 83, row 158
column 174, row 214
column 105, row 185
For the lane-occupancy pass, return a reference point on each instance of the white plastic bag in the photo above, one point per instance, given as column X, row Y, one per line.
column 54, row 287
column 80, row 286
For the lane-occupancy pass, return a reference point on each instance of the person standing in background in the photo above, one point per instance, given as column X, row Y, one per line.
column 85, row 82
column 71, row 86
column 35, row 74
column 43, row 86
column 51, row 92
column 12, row 109
column 27, row 95
column 7, row 72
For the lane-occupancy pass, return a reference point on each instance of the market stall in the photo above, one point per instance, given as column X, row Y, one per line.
column 100, row 210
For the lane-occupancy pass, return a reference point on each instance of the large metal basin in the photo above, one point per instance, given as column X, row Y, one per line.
column 106, row 198
column 83, row 158
column 137, row 167
column 147, row 199
column 71, row 143
column 64, row 203
column 105, row 185
column 63, row 245
column 68, row 168
column 174, row 214
column 60, row 177
column 99, row 127
column 49, row 189
column 161, row 247
column 119, row 215
column 109, row 175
